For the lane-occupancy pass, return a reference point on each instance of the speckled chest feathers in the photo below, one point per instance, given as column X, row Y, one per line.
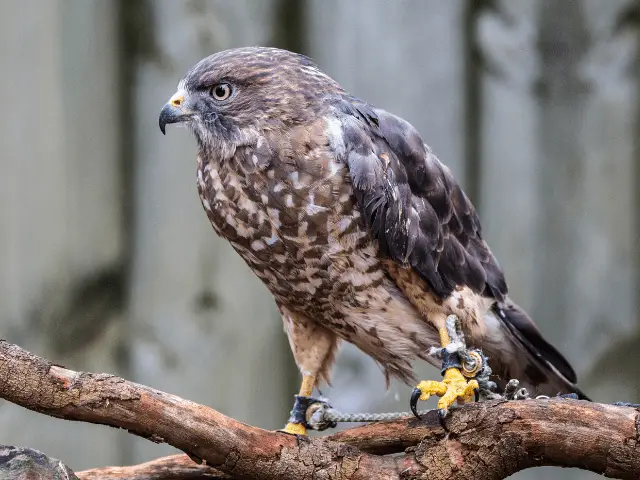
column 287, row 207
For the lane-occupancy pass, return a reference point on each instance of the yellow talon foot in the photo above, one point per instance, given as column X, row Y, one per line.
column 454, row 386
column 294, row 429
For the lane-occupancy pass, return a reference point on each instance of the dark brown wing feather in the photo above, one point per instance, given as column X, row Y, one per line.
column 413, row 205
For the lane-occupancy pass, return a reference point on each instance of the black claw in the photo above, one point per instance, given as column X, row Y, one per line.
column 415, row 396
column 442, row 415
column 476, row 393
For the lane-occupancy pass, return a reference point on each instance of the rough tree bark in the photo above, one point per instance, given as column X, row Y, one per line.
column 490, row 440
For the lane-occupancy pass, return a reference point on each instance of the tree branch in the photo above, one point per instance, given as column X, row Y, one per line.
column 494, row 438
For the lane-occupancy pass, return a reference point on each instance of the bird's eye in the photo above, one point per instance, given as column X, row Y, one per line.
column 222, row 91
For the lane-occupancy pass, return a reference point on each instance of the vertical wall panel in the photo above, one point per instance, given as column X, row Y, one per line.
column 506, row 37
column 61, row 241
column 602, row 295
column 588, row 99
column 559, row 125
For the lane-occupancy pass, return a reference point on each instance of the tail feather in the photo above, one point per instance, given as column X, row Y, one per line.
column 539, row 365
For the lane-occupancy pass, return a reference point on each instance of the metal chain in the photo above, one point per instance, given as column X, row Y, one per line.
column 322, row 415
column 334, row 415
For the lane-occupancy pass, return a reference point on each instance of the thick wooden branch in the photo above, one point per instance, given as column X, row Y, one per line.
column 490, row 440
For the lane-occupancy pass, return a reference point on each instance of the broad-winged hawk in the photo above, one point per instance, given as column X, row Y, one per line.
column 357, row 229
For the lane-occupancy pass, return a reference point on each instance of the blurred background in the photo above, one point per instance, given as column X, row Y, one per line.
column 108, row 263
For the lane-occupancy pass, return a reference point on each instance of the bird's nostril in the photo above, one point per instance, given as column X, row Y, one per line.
column 177, row 101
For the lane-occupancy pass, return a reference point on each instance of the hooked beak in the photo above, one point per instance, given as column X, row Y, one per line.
column 173, row 111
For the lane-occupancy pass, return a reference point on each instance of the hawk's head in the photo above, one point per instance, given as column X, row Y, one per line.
column 229, row 98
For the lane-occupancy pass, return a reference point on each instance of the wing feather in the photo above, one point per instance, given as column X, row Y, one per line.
column 412, row 204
